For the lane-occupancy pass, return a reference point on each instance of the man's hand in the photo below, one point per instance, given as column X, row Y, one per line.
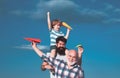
column 35, row 48
column 80, row 50
column 34, row 44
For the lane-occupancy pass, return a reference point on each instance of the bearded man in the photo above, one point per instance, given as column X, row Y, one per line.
column 60, row 53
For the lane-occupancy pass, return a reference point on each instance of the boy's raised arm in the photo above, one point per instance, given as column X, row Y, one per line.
column 67, row 33
column 49, row 21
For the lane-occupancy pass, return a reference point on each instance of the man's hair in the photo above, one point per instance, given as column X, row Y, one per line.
column 61, row 38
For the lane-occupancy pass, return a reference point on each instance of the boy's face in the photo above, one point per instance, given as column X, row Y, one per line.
column 57, row 27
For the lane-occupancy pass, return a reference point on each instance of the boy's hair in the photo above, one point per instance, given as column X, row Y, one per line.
column 61, row 38
column 54, row 22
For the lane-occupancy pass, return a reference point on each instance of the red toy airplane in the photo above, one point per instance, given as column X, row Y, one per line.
column 36, row 40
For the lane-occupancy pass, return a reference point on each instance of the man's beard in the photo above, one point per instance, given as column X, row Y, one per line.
column 72, row 63
column 61, row 50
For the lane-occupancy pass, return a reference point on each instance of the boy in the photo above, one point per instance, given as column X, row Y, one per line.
column 54, row 28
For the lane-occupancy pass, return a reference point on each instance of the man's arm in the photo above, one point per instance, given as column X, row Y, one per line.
column 50, row 60
column 39, row 52
column 81, row 74
column 80, row 51
column 48, row 20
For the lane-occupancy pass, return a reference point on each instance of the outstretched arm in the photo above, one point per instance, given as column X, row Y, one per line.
column 46, row 58
column 48, row 20
column 39, row 52
column 67, row 33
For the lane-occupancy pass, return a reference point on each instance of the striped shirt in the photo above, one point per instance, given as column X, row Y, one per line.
column 62, row 70
column 53, row 35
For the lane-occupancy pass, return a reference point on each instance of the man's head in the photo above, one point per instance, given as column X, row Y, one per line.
column 72, row 57
column 60, row 45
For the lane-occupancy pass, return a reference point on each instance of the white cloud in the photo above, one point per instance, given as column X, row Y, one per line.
column 57, row 7
column 59, row 4
column 108, row 6
column 92, row 12
column 28, row 47
column 114, row 20
column 17, row 12
column 71, row 11
column 93, row 1
column 117, row 10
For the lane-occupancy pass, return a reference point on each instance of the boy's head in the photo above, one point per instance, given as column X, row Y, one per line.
column 56, row 24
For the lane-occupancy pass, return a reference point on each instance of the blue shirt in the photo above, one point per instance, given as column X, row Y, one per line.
column 53, row 35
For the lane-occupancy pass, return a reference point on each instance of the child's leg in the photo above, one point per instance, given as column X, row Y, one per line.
column 53, row 51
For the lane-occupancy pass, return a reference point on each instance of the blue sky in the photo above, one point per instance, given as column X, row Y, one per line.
column 95, row 23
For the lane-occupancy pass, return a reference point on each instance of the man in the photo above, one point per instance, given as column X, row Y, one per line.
column 69, row 69
column 60, row 53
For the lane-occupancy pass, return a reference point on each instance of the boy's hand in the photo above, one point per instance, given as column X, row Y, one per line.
column 48, row 13
column 68, row 29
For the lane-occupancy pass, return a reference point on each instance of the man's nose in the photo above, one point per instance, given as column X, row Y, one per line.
column 61, row 45
column 70, row 58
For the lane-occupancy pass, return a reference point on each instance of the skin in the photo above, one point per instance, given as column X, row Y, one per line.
column 72, row 55
column 72, row 58
column 57, row 26
column 80, row 51
column 59, row 44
